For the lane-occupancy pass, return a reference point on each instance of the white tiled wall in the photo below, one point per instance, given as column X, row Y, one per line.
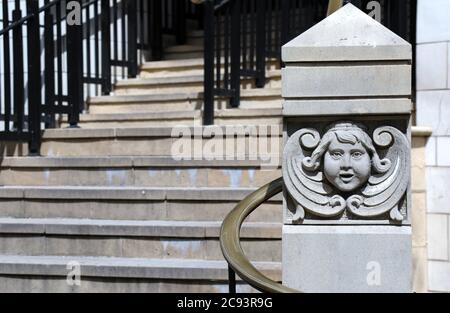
column 433, row 109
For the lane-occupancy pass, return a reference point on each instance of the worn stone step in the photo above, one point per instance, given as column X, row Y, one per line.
column 161, row 141
column 183, row 52
column 185, row 67
column 130, row 203
column 187, row 83
column 176, row 118
column 133, row 239
column 180, row 101
column 100, row 274
column 135, row 171
column 184, row 48
column 172, row 68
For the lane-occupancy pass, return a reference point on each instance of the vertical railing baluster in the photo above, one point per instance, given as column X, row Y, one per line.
column 235, row 54
column 260, row 44
column 286, row 15
column 123, row 35
column 387, row 14
column 34, row 77
column 269, row 30
column 245, row 32
column 106, row 47
column 141, row 32
column 155, row 31
column 413, row 41
column 180, row 21
column 252, row 18
column 231, row 280
column 97, row 43
column 115, row 40
column 49, row 75
column 88, row 44
column 277, row 33
column 75, row 71
column 225, row 43
column 199, row 9
column 218, row 39
column 18, row 69
column 59, row 53
column 6, row 67
column 165, row 15
column 401, row 13
column 132, row 38
column 208, row 93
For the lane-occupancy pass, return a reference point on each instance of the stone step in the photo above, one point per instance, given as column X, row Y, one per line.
column 160, row 141
column 172, row 68
column 130, row 203
column 193, row 50
column 180, row 101
column 135, row 171
column 234, row 141
column 187, row 83
column 185, row 67
column 101, row 274
column 183, row 52
column 177, row 118
column 133, row 239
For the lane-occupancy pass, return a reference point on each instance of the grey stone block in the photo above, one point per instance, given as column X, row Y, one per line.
column 346, row 81
column 432, row 21
column 438, row 273
column 346, row 107
column 430, row 152
column 438, row 185
column 437, row 237
column 443, row 151
column 433, row 111
column 432, row 66
column 347, row 258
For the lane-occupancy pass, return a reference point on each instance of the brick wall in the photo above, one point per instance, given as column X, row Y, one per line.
column 433, row 109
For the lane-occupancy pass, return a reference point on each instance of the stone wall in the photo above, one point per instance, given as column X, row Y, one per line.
column 420, row 137
column 433, row 109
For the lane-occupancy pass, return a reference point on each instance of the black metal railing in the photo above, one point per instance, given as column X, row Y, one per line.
column 242, row 36
column 57, row 65
column 85, row 47
column 170, row 17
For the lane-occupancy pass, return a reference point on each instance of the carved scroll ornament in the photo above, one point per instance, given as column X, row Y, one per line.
column 343, row 171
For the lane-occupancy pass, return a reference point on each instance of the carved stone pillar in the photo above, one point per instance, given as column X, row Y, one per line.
column 346, row 162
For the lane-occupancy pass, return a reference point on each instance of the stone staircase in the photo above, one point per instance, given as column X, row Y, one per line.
column 110, row 198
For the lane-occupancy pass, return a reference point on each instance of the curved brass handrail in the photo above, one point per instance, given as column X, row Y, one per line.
column 231, row 246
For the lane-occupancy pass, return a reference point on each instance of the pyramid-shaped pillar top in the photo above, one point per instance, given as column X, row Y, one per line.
column 347, row 35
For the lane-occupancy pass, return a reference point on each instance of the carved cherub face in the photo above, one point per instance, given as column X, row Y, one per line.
column 348, row 156
column 347, row 165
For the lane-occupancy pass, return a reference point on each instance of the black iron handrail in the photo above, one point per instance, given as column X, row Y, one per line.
column 52, row 88
column 27, row 17
column 242, row 36
column 231, row 246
